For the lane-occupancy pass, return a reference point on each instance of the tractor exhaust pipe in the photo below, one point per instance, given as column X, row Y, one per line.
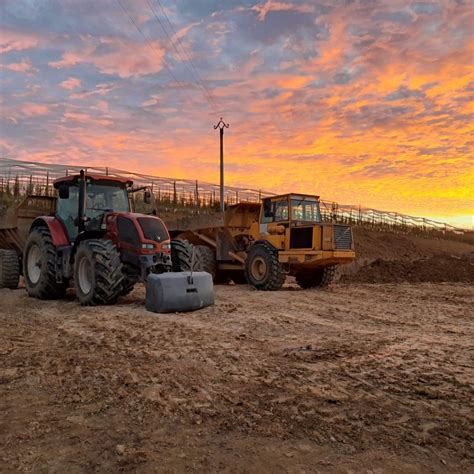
column 81, row 217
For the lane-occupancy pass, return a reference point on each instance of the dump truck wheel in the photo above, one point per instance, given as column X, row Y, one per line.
column 98, row 272
column 262, row 268
column 205, row 260
column 321, row 277
column 39, row 266
column 9, row 269
column 181, row 255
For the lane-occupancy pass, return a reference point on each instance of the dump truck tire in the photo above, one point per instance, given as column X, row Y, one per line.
column 321, row 277
column 9, row 269
column 98, row 272
column 205, row 260
column 181, row 255
column 262, row 268
column 39, row 266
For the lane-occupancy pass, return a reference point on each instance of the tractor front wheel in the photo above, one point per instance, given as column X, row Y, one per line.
column 98, row 272
column 262, row 268
column 181, row 255
column 9, row 269
column 39, row 266
column 320, row 277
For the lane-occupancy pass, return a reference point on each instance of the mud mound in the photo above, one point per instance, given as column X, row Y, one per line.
column 433, row 269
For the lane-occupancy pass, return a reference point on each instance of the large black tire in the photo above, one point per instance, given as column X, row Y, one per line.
column 39, row 266
column 9, row 269
column 181, row 255
column 128, row 285
column 98, row 272
column 130, row 279
column 262, row 268
column 205, row 260
column 319, row 277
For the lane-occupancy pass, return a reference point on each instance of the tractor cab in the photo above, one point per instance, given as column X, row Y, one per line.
column 102, row 194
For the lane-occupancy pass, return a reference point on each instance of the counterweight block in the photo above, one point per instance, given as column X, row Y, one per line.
column 178, row 292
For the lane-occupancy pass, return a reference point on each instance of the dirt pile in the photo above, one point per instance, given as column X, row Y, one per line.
column 433, row 269
column 387, row 257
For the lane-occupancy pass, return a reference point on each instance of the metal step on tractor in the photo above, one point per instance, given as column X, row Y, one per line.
column 262, row 243
column 88, row 235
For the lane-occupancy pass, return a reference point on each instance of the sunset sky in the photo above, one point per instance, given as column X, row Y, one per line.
column 364, row 102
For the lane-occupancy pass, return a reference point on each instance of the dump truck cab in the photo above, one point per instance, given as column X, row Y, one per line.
column 292, row 224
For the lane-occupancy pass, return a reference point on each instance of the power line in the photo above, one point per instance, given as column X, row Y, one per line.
column 188, row 59
column 151, row 45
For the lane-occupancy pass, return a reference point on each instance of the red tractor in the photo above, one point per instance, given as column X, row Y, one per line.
column 94, row 239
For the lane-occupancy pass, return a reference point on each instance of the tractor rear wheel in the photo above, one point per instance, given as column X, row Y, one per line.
column 320, row 277
column 181, row 255
column 39, row 266
column 98, row 272
column 262, row 268
column 9, row 269
column 205, row 260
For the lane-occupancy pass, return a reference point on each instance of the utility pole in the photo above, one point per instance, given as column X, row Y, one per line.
column 221, row 125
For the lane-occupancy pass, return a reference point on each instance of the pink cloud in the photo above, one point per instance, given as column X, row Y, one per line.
column 111, row 56
column 275, row 6
column 32, row 110
column 24, row 66
column 71, row 83
column 16, row 41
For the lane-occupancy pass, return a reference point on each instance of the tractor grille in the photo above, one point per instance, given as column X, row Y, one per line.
column 342, row 237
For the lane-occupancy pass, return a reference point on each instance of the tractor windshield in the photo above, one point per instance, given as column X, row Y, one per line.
column 305, row 210
column 99, row 198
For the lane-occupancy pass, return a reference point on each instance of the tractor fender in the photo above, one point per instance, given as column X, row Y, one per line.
column 56, row 228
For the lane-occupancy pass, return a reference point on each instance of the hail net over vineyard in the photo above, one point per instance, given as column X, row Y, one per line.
column 18, row 178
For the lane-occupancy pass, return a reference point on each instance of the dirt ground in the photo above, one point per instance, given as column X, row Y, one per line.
column 370, row 378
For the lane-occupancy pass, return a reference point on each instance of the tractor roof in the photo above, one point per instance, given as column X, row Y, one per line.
column 74, row 178
column 293, row 195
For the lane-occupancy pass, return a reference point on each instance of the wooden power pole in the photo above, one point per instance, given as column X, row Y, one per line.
column 221, row 125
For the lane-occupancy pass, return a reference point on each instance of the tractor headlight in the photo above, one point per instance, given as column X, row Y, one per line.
column 148, row 246
column 166, row 246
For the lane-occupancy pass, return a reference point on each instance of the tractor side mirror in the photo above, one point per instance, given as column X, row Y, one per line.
column 147, row 197
column 63, row 191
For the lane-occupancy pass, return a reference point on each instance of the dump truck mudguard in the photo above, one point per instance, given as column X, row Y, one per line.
column 56, row 229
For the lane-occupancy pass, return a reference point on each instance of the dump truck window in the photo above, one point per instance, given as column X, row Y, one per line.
column 267, row 212
column 306, row 210
column 281, row 211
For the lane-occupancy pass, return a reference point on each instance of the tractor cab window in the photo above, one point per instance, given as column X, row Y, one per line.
column 103, row 197
column 67, row 210
column 305, row 210
column 274, row 211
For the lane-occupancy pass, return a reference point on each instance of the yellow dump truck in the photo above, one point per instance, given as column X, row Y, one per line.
column 263, row 242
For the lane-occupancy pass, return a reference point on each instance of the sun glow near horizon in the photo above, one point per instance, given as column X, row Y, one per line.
column 362, row 104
